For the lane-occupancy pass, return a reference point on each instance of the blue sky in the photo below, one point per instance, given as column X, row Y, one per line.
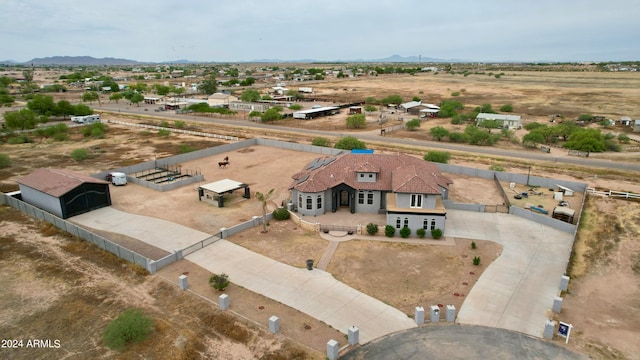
column 246, row 30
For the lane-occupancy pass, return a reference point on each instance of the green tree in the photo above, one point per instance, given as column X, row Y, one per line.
column 250, row 95
column 20, row 120
column 90, row 97
column 624, row 138
column 487, row 109
column 439, row 132
column 208, row 85
column 131, row 326
column 590, row 140
column 272, row 114
column 392, row 99
column 64, row 108
column 79, row 154
column 5, row 98
column 42, row 104
column 320, row 141
column 412, row 124
column 264, row 199
column 533, row 138
column 137, row 98
column 116, row 97
column 81, row 110
column 356, row 121
column 449, row 108
column 350, row 143
column 370, row 108
column 442, row 157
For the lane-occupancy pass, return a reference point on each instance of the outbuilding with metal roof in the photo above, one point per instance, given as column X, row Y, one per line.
column 64, row 193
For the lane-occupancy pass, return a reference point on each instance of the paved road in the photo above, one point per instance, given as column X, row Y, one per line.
column 460, row 342
column 372, row 136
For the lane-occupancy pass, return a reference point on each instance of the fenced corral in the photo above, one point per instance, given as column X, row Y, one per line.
column 614, row 194
column 179, row 131
column 75, row 230
column 165, row 174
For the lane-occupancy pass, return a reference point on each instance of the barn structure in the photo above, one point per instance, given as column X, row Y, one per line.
column 64, row 193
column 316, row 112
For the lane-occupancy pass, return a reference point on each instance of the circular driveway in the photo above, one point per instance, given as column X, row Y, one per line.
column 460, row 342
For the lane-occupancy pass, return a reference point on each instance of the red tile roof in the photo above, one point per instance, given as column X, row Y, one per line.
column 56, row 182
column 395, row 172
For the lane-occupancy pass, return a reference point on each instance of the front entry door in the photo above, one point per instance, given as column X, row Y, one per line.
column 344, row 198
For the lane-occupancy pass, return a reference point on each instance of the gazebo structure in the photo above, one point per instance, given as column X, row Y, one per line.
column 216, row 190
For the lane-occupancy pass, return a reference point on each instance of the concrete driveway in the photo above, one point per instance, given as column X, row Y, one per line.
column 516, row 290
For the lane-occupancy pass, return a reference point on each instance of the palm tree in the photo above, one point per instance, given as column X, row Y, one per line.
column 264, row 198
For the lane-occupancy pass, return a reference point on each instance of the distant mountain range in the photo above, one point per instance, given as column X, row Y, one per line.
column 88, row 60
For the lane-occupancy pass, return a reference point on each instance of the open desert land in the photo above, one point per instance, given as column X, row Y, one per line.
column 602, row 301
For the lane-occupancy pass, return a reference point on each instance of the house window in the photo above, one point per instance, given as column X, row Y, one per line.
column 370, row 176
column 425, row 224
column 416, row 200
column 361, row 197
column 370, row 198
column 319, row 202
column 309, row 203
column 299, row 201
column 433, row 224
column 398, row 222
column 361, row 175
column 406, row 222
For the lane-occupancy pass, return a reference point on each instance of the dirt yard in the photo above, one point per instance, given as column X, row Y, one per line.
column 601, row 302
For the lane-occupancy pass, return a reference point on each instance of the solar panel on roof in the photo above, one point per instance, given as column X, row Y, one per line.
column 314, row 164
column 302, row 179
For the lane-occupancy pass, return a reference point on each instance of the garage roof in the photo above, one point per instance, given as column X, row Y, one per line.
column 223, row 186
column 56, row 182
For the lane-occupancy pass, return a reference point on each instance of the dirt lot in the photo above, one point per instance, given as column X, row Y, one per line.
column 601, row 302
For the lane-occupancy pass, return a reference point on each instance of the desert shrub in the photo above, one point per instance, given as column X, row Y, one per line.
column 370, row 108
column 506, row 108
column 476, row 260
column 164, row 124
column 372, row 228
column 458, row 137
column 281, row 214
column 356, row 121
column 19, row 139
column 389, row 231
column 421, row 233
column 436, row 233
column 60, row 137
column 219, row 282
column 79, row 154
column 624, row 138
column 412, row 124
column 456, row 93
column 295, row 107
column 186, row 149
column 585, row 117
column 350, row 143
column 496, row 168
column 405, row 232
column 438, row 156
column 95, row 131
column 226, row 325
column 164, row 132
column 131, row 326
column 320, row 141
column 5, row 161
column 179, row 124
column 474, row 245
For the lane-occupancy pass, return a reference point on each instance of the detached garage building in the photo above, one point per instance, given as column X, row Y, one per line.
column 64, row 193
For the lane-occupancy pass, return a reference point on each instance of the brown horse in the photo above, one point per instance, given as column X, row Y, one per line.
column 223, row 164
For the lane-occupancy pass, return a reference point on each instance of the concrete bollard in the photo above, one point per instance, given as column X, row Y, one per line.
column 274, row 324
column 557, row 304
column 184, row 282
column 332, row 350
column 353, row 335
column 549, row 327
column 451, row 313
column 434, row 314
column 419, row 315
column 223, row 301
column 564, row 283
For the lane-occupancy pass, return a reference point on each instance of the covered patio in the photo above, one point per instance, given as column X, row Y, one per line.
column 214, row 192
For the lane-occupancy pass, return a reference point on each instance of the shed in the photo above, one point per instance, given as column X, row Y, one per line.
column 563, row 213
column 64, row 193
column 216, row 190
